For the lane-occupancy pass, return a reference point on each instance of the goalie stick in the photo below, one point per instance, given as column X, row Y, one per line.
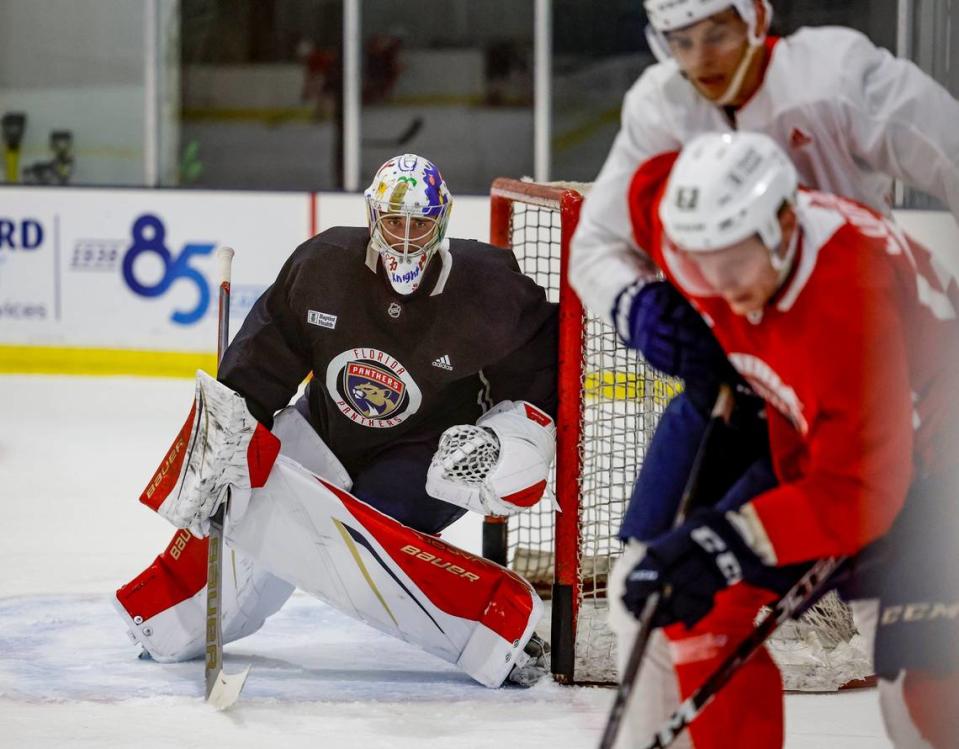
column 222, row 689
column 721, row 412
column 795, row 601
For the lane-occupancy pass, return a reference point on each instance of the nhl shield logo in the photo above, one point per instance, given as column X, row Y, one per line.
column 372, row 388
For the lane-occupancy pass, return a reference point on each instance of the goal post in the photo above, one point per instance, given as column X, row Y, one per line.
column 548, row 218
column 607, row 404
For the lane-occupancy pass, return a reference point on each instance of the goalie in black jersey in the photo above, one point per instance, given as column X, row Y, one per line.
column 433, row 366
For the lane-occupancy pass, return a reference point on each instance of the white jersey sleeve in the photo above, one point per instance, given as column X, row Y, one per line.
column 850, row 115
column 604, row 258
column 901, row 122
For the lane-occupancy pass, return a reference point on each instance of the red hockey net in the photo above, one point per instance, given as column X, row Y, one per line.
column 609, row 403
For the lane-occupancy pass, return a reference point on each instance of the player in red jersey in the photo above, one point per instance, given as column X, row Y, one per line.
column 839, row 321
column 850, row 115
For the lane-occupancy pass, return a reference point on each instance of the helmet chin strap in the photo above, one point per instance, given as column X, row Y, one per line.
column 736, row 84
column 783, row 264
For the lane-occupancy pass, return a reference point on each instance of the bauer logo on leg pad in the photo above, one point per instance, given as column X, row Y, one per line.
column 178, row 544
column 441, row 563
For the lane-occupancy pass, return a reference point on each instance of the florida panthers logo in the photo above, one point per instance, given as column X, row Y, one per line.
column 770, row 387
column 372, row 388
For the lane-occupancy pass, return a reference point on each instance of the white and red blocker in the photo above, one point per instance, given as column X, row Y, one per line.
column 219, row 446
column 293, row 528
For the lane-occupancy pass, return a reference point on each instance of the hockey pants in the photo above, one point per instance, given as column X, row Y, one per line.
column 748, row 712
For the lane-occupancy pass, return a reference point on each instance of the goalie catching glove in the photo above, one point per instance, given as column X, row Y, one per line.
column 220, row 446
column 500, row 465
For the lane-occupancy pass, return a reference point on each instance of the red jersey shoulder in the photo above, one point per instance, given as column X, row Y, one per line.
column 645, row 192
column 845, row 246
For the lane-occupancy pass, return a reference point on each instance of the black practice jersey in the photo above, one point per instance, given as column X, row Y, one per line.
column 389, row 368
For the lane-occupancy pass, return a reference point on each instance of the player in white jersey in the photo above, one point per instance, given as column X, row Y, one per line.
column 850, row 116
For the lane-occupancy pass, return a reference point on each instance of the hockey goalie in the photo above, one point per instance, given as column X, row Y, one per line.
column 433, row 364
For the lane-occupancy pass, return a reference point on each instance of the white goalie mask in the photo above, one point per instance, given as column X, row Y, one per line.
column 668, row 15
column 723, row 189
column 408, row 209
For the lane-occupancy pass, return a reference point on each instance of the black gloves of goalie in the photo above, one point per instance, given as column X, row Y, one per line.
column 656, row 320
column 694, row 562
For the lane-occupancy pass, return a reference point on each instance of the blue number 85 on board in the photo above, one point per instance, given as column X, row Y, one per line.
column 149, row 235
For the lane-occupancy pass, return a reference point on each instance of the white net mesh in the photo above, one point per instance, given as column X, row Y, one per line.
column 622, row 398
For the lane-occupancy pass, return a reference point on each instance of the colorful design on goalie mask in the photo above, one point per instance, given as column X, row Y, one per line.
column 408, row 209
column 371, row 388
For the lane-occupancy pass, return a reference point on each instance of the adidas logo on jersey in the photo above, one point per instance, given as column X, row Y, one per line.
column 443, row 362
column 798, row 138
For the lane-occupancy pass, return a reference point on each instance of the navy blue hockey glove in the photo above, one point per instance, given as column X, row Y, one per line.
column 658, row 322
column 696, row 561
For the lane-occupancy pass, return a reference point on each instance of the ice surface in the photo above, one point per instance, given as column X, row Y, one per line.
column 74, row 455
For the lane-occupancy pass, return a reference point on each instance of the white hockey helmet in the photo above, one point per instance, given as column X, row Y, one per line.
column 724, row 188
column 668, row 15
column 408, row 209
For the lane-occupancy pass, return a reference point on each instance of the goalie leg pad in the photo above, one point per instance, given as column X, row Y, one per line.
column 459, row 607
column 164, row 607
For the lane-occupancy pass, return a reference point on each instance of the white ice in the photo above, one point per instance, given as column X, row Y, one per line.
column 74, row 455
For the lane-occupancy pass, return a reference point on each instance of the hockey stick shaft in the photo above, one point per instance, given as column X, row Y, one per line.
column 721, row 412
column 794, row 601
column 400, row 140
column 214, row 559
column 224, row 256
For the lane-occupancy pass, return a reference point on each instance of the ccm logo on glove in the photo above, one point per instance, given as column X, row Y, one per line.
column 725, row 560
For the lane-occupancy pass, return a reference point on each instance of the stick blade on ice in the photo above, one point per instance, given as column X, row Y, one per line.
column 226, row 688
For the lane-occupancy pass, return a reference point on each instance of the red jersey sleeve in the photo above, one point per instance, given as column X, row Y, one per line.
column 645, row 192
column 857, row 463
